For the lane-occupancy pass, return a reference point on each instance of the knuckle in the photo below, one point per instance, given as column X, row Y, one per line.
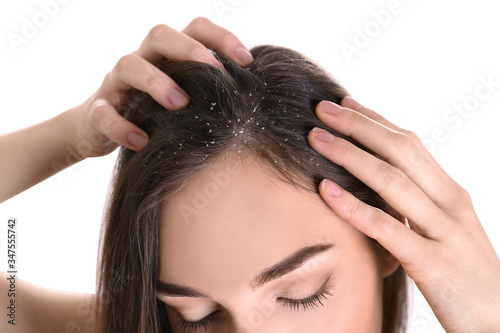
column 107, row 81
column 414, row 137
column 157, row 32
column 99, row 116
column 199, row 22
column 153, row 82
column 195, row 51
column 124, row 62
column 97, row 111
column 385, row 226
column 402, row 144
column 351, row 207
column 393, row 177
column 227, row 38
column 464, row 196
column 345, row 148
column 355, row 118
column 403, row 141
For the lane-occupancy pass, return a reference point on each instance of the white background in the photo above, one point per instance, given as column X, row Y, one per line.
column 426, row 57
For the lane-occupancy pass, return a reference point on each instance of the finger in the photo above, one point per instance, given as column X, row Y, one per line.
column 106, row 119
column 389, row 182
column 397, row 148
column 132, row 71
column 165, row 42
column 219, row 39
column 402, row 242
column 351, row 103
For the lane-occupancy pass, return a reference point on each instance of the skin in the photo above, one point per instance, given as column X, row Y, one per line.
column 91, row 129
column 238, row 233
column 445, row 250
column 95, row 127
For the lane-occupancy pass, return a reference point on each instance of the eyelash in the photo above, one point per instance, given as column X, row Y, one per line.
column 310, row 302
column 294, row 304
column 192, row 326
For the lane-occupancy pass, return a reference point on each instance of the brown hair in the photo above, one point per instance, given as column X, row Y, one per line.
column 266, row 112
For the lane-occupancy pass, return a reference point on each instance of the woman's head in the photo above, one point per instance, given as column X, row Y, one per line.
column 219, row 216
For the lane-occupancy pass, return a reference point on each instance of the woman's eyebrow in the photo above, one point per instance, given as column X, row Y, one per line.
column 289, row 264
column 285, row 266
column 175, row 290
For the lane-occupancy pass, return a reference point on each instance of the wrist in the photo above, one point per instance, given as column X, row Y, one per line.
column 77, row 147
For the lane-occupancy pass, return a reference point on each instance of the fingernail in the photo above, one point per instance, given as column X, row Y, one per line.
column 353, row 104
column 177, row 97
column 243, row 56
column 330, row 108
column 137, row 140
column 332, row 188
column 322, row 135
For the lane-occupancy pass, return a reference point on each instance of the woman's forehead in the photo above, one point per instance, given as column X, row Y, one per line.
column 228, row 217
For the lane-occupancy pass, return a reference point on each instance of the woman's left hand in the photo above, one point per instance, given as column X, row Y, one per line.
column 445, row 250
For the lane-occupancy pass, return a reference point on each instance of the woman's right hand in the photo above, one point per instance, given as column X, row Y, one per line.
column 98, row 128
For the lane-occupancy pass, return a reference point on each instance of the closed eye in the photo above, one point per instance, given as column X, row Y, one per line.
column 310, row 302
column 194, row 326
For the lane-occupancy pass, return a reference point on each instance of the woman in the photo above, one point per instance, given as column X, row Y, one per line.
column 206, row 228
